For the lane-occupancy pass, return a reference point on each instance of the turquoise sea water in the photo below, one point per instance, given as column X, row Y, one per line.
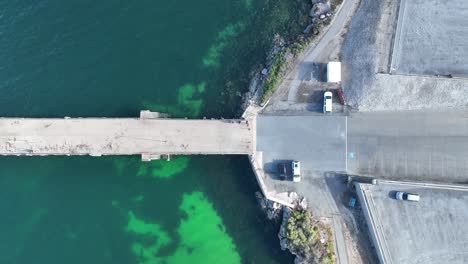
column 113, row 58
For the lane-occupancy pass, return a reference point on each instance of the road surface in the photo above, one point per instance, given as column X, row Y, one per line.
column 409, row 145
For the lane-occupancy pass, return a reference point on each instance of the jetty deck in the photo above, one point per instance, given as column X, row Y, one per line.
column 124, row 136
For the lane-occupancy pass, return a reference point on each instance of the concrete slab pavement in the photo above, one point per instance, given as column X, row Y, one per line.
column 409, row 145
column 432, row 230
column 123, row 136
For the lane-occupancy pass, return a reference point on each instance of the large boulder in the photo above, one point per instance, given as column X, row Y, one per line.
column 319, row 9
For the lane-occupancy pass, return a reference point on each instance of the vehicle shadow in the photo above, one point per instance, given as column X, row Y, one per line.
column 313, row 71
column 392, row 195
column 271, row 168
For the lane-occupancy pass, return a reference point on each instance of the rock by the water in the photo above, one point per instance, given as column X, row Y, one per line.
column 293, row 195
column 322, row 8
column 272, row 209
column 303, row 203
column 308, row 29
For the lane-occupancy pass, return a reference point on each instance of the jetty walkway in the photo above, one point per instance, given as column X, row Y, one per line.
column 149, row 136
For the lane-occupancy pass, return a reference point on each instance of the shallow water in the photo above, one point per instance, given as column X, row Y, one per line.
column 109, row 58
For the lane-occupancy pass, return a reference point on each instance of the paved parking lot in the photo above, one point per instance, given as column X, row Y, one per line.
column 432, row 230
column 409, row 145
column 431, row 38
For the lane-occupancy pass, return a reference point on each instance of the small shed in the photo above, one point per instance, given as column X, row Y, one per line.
column 334, row 72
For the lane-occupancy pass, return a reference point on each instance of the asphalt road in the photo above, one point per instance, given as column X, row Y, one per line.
column 418, row 146
column 409, row 145
column 318, row 142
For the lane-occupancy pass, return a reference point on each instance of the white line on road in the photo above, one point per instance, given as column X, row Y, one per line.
column 346, row 143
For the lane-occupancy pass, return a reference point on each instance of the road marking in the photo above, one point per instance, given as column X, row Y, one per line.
column 346, row 144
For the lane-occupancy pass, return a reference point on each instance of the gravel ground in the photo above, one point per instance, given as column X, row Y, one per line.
column 365, row 54
column 400, row 92
column 359, row 51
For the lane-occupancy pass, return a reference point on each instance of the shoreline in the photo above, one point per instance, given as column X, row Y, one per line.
column 282, row 59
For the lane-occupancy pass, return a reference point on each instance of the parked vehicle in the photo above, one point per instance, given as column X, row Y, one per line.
column 334, row 72
column 290, row 170
column 296, row 168
column 283, row 175
column 327, row 102
column 404, row 196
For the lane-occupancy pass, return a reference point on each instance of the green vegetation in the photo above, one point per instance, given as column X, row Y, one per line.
column 300, row 230
column 330, row 257
column 275, row 75
column 310, row 238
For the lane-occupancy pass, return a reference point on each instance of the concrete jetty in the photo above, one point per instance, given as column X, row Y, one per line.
column 148, row 136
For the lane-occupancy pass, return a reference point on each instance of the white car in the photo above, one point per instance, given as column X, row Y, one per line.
column 296, row 168
column 327, row 102
column 404, row 196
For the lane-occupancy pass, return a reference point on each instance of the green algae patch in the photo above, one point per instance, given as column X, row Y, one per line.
column 248, row 4
column 187, row 95
column 201, row 87
column 115, row 203
column 139, row 198
column 163, row 169
column 211, row 59
column 151, row 238
column 126, row 165
column 120, row 165
column 189, row 103
column 203, row 237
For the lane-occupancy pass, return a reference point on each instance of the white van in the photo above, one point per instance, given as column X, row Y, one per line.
column 296, row 168
column 404, row 196
column 327, row 102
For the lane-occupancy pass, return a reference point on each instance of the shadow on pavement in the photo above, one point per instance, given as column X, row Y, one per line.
column 341, row 187
column 273, row 171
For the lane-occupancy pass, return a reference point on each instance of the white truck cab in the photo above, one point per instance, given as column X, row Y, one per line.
column 327, row 102
column 296, row 168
